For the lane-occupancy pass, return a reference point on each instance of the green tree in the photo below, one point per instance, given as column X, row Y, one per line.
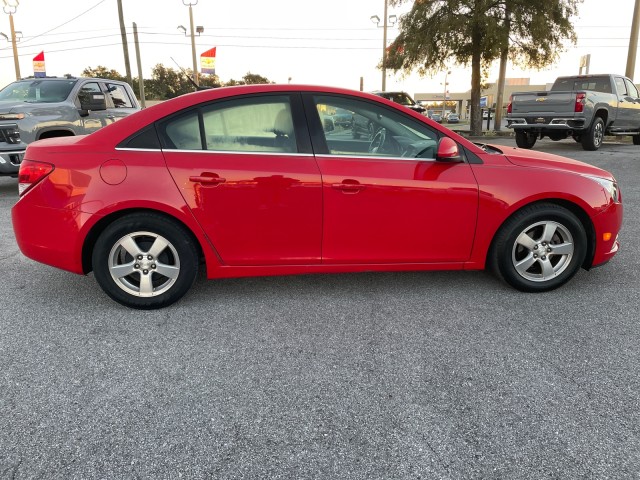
column 436, row 33
column 102, row 72
column 248, row 79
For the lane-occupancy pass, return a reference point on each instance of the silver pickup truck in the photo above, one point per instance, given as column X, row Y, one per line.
column 36, row 108
column 584, row 107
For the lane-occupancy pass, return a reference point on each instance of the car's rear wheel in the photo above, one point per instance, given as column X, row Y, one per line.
column 539, row 248
column 592, row 139
column 145, row 261
column 524, row 139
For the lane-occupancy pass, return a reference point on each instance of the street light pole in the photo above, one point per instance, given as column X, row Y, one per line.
column 385, row 25
column 384, row 47
column 10, row 7
column 193, row 39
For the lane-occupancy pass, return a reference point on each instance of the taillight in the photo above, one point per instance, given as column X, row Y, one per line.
column 31, row 173
column 509, row 108
column 580, row 101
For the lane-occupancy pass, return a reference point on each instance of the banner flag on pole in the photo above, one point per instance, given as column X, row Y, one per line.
column 208, row 61
column 39, row 69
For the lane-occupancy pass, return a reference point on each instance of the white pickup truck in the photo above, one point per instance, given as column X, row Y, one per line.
column 584, row 107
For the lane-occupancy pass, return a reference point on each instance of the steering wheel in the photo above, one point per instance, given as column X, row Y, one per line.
column 382, row 144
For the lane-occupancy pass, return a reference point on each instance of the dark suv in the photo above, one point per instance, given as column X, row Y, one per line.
column 403, row 99
column 362, row 126
column 36, row 108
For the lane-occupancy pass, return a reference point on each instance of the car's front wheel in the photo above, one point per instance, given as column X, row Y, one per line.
column 539, row 248
column 145, row 261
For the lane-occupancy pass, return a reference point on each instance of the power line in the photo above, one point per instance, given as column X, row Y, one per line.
column 68, row 21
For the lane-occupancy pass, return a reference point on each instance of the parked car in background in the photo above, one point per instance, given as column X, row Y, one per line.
column 584, row 107
column 37, row 108
column 453, row 118
column 342, row 118
column 436, row 117
column 402, row 98
column 244, row 181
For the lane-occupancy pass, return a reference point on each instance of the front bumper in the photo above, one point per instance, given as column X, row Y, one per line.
column 10, row 160
column 608, row 222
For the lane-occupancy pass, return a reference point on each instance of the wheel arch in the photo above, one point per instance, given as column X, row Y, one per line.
column 103, row 223
column 52, row 132
column 574, row 208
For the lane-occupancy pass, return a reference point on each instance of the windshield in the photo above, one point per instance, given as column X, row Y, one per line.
column 37, row 91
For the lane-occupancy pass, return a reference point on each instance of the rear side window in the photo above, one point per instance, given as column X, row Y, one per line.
column 256, row 124
column 119, row 96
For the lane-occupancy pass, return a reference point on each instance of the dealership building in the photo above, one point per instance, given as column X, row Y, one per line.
column 461, row 102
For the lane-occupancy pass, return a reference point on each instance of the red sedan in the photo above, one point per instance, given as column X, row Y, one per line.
column 248, row 181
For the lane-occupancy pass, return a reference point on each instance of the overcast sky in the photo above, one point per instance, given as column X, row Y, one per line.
column 332, row 42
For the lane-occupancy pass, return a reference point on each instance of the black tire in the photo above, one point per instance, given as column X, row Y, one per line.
column 524, row 139
column 522, row 252
column 636, row 139
column 168, row 273
column 592, row 138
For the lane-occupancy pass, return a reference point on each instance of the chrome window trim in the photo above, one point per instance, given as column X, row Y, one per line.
column 289, row 154
column 371, row 157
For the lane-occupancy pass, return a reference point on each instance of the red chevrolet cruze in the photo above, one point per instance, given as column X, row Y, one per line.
column 260, row 180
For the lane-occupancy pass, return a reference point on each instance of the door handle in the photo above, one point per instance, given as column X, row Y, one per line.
column 207, row 179
column 348, row 187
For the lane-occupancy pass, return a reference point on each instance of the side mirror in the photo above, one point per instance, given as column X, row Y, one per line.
column 93, row 101
column 448, row 151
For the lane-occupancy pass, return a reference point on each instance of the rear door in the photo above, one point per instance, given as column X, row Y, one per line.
column 245, row 168
column 386, row 199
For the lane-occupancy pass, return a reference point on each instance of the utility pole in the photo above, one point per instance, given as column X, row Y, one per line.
column 633, row 42
column 139, row 62
column 193, row 39
column 10, row 7
column 125, row 46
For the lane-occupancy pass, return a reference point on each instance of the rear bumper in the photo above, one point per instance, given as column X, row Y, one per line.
column 48, row 235
column 549, row 124
column 608, row 222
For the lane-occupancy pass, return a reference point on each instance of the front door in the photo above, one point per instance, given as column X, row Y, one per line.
column 386, row 199
column 256, row 194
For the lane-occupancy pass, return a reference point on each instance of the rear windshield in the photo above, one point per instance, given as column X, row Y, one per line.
column 596, row 84
column 37, row 91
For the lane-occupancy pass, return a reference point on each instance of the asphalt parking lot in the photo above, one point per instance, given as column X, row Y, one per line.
column 378, row 375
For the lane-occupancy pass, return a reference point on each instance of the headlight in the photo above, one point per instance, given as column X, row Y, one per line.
column 12, row 116
column 608, row 185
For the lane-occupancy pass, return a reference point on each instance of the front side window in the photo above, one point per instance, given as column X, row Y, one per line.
column 119, row 96
column 85, row 95
column 257, row 124
column 620, row 86
column 373, row 131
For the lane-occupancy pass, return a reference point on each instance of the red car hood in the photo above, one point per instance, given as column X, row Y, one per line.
column 534, row 159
